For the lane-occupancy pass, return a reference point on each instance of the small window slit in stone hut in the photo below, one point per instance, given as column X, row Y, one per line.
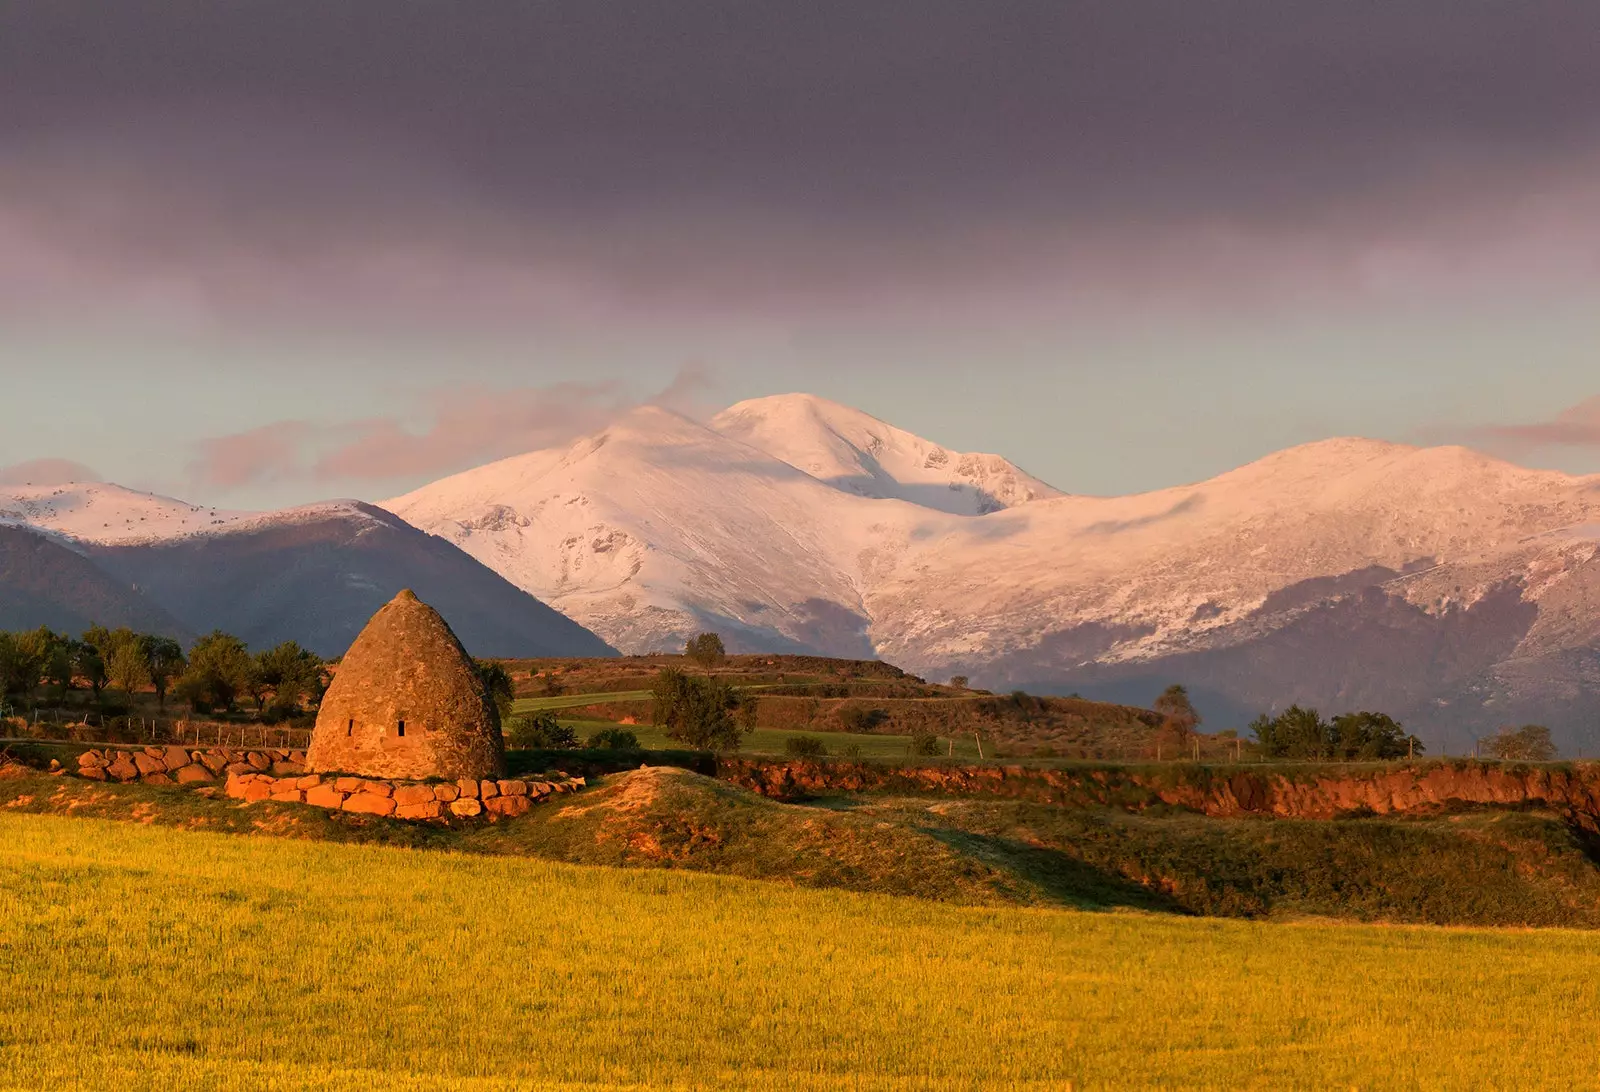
column 402, row 729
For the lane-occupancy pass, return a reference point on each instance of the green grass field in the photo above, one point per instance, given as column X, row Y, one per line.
column 767, row 741
column 147, row 957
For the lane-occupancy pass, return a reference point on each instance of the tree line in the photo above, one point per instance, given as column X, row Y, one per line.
column 215, row 674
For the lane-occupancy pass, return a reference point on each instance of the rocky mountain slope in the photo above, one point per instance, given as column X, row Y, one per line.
column 1436, row 583
column 75, row 554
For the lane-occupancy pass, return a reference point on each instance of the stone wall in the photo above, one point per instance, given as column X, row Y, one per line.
column 281, row 775
column 176, row 765
column 1323, row 791
column 402, row 799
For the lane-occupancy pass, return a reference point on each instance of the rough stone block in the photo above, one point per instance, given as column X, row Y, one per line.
column 325, row 796
column 254, row 791
column 92, row 758
column 468, row 789
column 297, row 756
column 284, row 768
column 513, row 788
column 147, row 763
column 192, row 774
column 258, row 760
column 309, row 781
column 429, row 809
column 508, row 805
column 239, row 768
column 122, row 767
column 157, row 779
column 411, row 795
column 97, row 773
column 348, row 784
column 371, row 803
column 487, row 789
column 215, row 761
column 290, row 796
column 466, row 807
column 176, row 758
column 153, row 752
column 445, row 793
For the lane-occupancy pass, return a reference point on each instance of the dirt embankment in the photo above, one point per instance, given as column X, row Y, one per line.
column 1302, row 793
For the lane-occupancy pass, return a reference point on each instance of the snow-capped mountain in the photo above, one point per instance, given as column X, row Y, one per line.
column 79, row 553
column 1433, row 582
column 1450, row 589
column 104, row 514
column 854, row 451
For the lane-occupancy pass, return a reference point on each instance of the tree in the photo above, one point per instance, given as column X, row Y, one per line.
column 1530, row 743
column 23, row 658
column 87, row 659
column 1371, row 736
column 497, row 681
column 1179, row 717
column 706, row 650
column 1293, row 733
column 128, row 670
column 958, row 682
column 697, row 711
column 220, row 669
column 165, row 657
column 59, row 659
column 291, row 674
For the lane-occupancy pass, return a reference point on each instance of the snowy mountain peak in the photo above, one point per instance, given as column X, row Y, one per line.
column 108, row 514
column 858, row 453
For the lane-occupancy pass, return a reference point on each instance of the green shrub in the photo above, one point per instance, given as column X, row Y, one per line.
column 923, row 744
column 804, row 747
column 540, row 732
column 857, row 719
column 614, row 739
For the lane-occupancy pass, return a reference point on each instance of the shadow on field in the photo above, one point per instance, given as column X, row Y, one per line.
column 1056, row 876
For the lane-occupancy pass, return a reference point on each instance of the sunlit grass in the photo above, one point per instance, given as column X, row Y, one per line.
column 141, row 957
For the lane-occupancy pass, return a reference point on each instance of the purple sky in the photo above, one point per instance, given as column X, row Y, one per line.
column 261, row 252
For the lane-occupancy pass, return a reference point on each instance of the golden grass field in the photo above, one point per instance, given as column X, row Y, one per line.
column 144, row 957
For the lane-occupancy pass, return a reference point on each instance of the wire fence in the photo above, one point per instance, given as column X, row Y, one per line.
column 96, row 727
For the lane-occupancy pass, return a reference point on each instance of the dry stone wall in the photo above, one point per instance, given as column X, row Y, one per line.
column 175, row 765
column 402, row 799
column 281, row 775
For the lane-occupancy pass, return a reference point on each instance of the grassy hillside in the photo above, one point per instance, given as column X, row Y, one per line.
column 1478, row 867
column 247, row 963
column 797, row 694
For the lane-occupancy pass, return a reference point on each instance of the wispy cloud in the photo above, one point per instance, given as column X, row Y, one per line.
column 462, row 427
column 259, row 456
column 47, row 472
column 1575, row 426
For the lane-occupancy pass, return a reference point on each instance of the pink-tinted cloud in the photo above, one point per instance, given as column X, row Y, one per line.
column 470, row 427
column 258, row 456
column 1575, row 426
column 47, row 472
column 463, row 428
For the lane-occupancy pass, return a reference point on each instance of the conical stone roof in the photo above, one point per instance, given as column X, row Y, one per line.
column 406, row 702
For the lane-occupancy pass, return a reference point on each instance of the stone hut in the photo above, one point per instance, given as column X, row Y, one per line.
column 406, row 702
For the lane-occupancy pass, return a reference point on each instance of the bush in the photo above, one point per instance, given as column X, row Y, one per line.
column 541, row 732
column 866, row 721
column 1530, row 743
column 804, row 747
column 923, row 744
column 614, row 739
column 697, row 710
